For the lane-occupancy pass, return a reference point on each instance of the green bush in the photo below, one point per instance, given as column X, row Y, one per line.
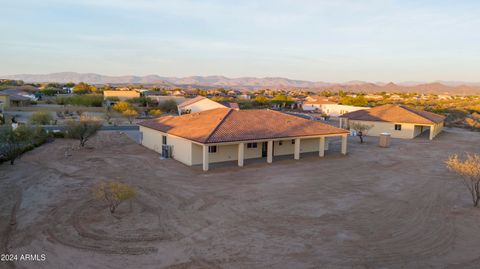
column 41, row 117
column 168, row 106
column 14, row 143
column 95, row 100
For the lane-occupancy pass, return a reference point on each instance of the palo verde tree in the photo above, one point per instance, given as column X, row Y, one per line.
column 113, row 193
column 361, row 129
column 83, row 129
column 130, row 114
column 469, row 170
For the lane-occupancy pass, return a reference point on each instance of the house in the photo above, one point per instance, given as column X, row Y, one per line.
column 120, row 95
column 197, row 104
column 16, row 97
column 324, row 106
column 398, row 120
column 223, row 134
column 312, row 104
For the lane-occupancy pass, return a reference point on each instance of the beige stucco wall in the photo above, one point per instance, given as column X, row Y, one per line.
column 287, row 148
column 407, row 132
column 225, row 153
column 202, row 105
column 181, row 148
column 121, row 95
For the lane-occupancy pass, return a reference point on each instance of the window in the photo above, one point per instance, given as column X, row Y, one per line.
column 164, row 139
column 251, row 145
column 212, row 149
column 398, row 127
column 293, row 141
column 280, row 143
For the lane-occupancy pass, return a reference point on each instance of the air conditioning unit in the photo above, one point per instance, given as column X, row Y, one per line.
column 166, row 151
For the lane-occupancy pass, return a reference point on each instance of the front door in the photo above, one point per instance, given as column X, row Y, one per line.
column 264, row 149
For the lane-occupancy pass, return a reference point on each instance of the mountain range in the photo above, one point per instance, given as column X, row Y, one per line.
column 452, row 87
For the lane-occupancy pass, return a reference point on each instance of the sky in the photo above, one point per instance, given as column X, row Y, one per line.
column 334, row 41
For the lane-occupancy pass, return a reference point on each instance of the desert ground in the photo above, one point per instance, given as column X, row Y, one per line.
column 396, row 207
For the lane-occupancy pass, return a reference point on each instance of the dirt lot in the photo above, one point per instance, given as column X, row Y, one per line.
column 375, row 208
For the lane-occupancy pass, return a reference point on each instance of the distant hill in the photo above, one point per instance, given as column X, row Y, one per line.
column 439, row 87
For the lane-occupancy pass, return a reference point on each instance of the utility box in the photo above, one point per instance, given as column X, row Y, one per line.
column 384, row 140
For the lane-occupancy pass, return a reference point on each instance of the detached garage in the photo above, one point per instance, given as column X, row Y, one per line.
column 398, row 120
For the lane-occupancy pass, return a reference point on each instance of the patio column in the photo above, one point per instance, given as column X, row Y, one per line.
column 205, row 157
column 321, row 148
column 296, row 153
column 432, row 131
column 344, row 144
column 269, row 151
column 241, row 154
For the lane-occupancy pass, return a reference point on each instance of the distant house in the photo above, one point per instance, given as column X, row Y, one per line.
column 16, row 97
column 324, row 106
column 120, row 95
column 398, row 120
column 223, row 134
column 197, row 104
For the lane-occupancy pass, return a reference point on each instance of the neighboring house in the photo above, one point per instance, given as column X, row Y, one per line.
column 121, row 95
column 398, row 120
column 315, row 104
column 197, row 104
column 324, row 106
column 15, row 97
column 162, row 98
column 223, row 134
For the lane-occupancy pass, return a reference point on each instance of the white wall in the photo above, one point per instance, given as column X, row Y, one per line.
column 202, row 105
column 408, row 129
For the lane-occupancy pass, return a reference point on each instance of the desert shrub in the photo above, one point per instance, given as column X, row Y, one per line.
column 41, row 117
column 94, row 100
column 83, row 129
column 168, row 106
column 130, row 114
column 113, row 193
column 13, row 143
column 155, row 112
column 469, row 170
column 122, row 106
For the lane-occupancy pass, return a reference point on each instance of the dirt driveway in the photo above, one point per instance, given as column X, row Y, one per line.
column 375, row 208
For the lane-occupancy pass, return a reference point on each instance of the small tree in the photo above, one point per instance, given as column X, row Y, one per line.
column 361, row 129
column 155, row 112
column 130, row 114
column 122, row 106
column 469, row 170
column 168, row 106
column 113, row 193
column 83, row 129
column 15, row 142
column 41, row 117
column 12, row 143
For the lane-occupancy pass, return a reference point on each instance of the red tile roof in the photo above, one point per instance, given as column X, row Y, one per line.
column 228, row 125
column 395, row 113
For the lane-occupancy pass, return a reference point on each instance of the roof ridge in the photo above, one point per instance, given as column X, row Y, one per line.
column 415, row 111
column 218, row 125
column 192, row 101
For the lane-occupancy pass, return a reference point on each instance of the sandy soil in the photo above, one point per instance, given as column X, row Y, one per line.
column 375, row 208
